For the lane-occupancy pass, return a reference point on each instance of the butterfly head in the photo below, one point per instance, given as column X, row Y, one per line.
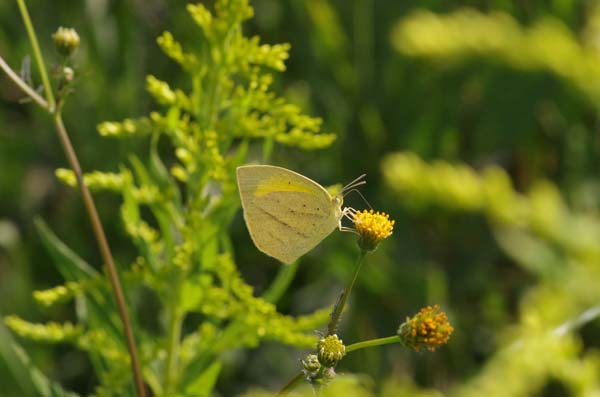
column 338, row 200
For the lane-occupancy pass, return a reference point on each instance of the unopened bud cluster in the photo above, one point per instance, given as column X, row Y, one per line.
column 311, row 363
column 66, row 41
column 330, row 350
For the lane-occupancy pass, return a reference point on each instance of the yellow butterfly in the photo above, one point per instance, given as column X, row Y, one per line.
column 286, row 213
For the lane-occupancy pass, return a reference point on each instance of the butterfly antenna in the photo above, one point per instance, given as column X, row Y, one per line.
column 357, row 182
column 360, row 194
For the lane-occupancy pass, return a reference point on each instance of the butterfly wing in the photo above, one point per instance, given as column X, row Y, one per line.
column 286, row 213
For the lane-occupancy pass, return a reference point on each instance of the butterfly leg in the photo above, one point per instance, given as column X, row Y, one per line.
column 349, row 213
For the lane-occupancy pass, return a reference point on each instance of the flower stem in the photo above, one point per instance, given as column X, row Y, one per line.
column 281, row 283
column 37, row 54
column 339, row 307
column 22, row 85
column 173, row 348
column 50, row 105
column 291, row 384
column 107, row 258
column 372, row 343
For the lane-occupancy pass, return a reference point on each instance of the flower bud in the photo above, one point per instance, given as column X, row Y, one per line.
column 66, row 41
column 68, row 74
column 311, row 363
column 330, row 350
column 427, row 329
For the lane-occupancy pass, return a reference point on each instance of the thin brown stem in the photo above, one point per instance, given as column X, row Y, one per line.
column 94, row 219
column 104, row 251
column 50, row 105
column 22, row 84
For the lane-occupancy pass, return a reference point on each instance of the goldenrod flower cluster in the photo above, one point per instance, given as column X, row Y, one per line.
column 427, row 329
column 372, row 228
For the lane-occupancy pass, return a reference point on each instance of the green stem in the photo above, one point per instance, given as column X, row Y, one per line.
column 173, row 349
column 22, row 84
column 37, row 54
column 291, row 384
column 339, row 307
column 281, row 283
column 373, row 343
column 317, row 390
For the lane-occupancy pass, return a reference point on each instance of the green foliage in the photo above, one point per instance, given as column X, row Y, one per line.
column 541, row 234
column 178, row 217
column 502, row 230
column 546, row 45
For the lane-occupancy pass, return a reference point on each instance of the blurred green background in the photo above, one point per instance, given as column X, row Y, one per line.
column 344, row 68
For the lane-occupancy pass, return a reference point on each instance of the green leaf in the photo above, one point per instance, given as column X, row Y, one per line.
column 70, row 265
column 94, row 308
column 40, row 382
column 191, row 295
column 205, row 382
column 159, row 210
column 20, row 373
column 161, row 174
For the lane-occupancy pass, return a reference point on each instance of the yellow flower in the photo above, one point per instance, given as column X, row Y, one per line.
column 427, row 329
column 372, row 227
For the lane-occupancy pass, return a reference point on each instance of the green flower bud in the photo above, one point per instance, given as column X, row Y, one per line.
column 311, row 363
column 66, row 41
column 328, row 375
column 68, row 74
column 330, row 350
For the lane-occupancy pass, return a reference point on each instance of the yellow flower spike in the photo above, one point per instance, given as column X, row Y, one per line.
column 427, row 329
column 373, row 227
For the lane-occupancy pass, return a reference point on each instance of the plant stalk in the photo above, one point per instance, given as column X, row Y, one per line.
column 50, row 105
column 334, row 321
column 105, row 252
column 339, row 307
column 22, row 84
column 174, row 341
column 281, row 283
column 291, row 384
column 372, row 343
column 37, row 54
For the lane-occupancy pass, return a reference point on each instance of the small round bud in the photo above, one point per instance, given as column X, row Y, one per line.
column 427, row 329
column 328, row 375
column 311, row 363
column 66, row 41
column 330, row 350
column 68, row 73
